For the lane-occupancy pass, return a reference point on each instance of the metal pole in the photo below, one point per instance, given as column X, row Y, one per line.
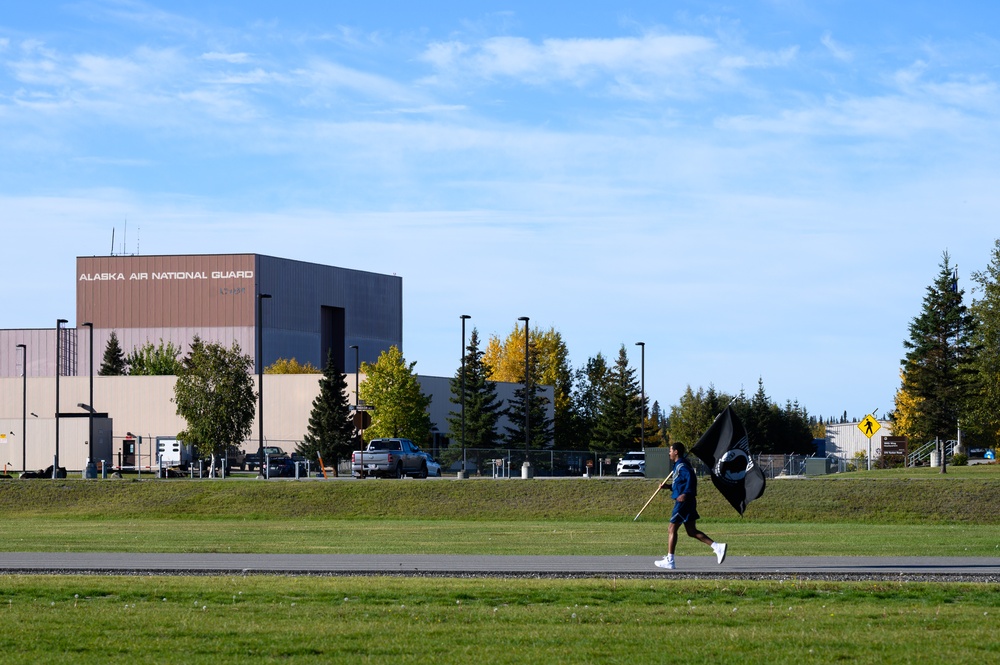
column 260, row 381
column 55, row 463
column 91, row 469
column 642, row 402
column 24, row 408
column 526, row 467
column 463, row 317
column 357, row 412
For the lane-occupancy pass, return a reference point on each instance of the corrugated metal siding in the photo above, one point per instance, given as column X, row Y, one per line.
column 845, row 439
column 166, row 291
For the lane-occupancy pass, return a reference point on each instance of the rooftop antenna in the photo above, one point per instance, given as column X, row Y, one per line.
column 112, row 241
column 125, row 237
column 138, row 229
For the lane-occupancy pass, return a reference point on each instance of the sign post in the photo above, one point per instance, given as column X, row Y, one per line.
column 868, row 427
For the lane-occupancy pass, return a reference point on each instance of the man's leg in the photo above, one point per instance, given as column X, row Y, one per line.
column 718, row 548
column 671, row 538
column 692, row 530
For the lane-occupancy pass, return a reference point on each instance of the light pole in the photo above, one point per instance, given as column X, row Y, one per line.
column 91, row 470
column 526, row 471
column 462, row 474
column 24, row 407
column 262, row 468
column 642, row 398
column 358, row 418
column 55, row 466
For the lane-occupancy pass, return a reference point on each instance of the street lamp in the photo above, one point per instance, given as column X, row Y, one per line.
column 262, row 463
column 55, row 466
column 358, row 418
column 642, row 399
column 526, row 471
column 461, row 474
column 24, row 407
column 91, row 470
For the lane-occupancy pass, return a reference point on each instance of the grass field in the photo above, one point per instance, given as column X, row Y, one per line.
column 82, row 619
column 304, row 620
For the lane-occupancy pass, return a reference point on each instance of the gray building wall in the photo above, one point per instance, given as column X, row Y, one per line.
column 154, row 299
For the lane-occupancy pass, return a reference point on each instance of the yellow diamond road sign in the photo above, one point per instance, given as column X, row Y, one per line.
column 869, row 426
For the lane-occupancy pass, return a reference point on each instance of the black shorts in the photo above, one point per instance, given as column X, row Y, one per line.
column 685, row 511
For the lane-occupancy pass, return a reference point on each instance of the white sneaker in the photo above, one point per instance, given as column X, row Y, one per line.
column 720, row 551
column 665, row 563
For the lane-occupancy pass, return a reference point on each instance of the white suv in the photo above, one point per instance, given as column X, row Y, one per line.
column 632, row 464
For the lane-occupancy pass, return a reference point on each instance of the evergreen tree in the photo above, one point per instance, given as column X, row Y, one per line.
column 331, row 433
column 617, row 426
column 540, row 425
column 937, row 367
column 695, row 413
column 589, row 385
column 982, row 417
column 400, row 407
column 482, row 407
column 114, row 358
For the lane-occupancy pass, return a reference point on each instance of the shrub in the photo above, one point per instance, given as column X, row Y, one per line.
column 959, row 460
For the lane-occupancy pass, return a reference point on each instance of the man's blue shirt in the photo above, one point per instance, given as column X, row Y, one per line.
column 685, row 482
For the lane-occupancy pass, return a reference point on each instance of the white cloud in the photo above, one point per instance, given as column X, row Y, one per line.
column 231, row 58
column 838, row 51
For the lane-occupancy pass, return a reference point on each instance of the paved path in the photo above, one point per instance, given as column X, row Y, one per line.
column 974, row 569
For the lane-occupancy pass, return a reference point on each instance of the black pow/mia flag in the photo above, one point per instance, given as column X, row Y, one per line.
column 725, row 449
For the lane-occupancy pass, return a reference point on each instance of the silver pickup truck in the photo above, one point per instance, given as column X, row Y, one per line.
column 390, row 458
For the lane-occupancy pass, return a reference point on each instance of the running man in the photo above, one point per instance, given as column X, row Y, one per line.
column 685, row 489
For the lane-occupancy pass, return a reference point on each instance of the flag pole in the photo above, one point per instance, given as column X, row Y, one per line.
column 654, row 495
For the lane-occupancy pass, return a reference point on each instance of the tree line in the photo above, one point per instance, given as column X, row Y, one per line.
column 950, row 373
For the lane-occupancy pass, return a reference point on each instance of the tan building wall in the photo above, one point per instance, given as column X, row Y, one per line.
column 139, row 404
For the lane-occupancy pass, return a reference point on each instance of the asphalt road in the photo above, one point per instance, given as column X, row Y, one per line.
column 738, row 567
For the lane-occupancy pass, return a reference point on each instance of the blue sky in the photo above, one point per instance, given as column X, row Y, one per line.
column 755, row 189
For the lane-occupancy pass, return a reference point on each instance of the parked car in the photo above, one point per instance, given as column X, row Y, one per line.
column 252, row 459
column 284, row 467
column 389, row 458
column 433, row 467
column 633, row 464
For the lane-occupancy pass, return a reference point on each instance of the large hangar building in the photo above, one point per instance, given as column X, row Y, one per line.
column 312, row 310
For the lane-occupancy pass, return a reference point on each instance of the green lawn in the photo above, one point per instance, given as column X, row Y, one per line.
column 535, row 537
column 442, row 621
column 109, row 619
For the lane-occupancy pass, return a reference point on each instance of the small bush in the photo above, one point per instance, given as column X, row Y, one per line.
column 960, row 460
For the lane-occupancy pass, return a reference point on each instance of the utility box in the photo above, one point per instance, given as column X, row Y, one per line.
column 816, row 466
column 658, row 464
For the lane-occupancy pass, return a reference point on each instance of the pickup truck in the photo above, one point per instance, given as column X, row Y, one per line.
column 252, row 459
column 390, row 458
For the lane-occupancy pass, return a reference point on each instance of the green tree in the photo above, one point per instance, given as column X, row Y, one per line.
column 392, row 389
column 215, row 394
column 590, row 384
column 937, row 367
column 114, row 358
column 695, row 413
column 291, row 366
column 149, row 360
column 482, row 406
column 983, row 413
column 331, row 433
column 616, row 428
